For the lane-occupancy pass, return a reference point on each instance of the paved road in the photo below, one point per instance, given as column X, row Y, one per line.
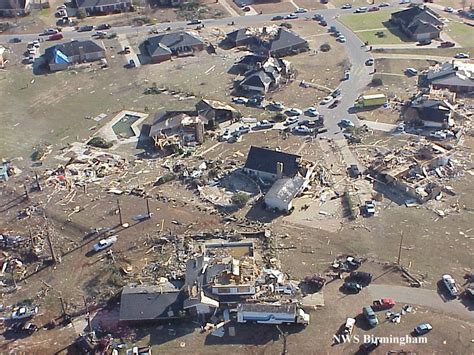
column 415, row 57
column 422, row 297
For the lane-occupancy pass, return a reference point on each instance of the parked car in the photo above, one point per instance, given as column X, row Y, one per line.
column 15, row 40
column 24, row 327
column 290, row 120
column 469, row 292
column 334, row 104
column 371, row 317
column 346, row 123
column 354, row 171
column 243, row 129
column 451, row 285
column 351, row 287
column 373, row 8
column 291, row 16
column 105, row 243
column 246, row 8
column 347, row 75
column 361, row 277
column 277, row 106
column 361, row 10
column 311, row 111
column 326, row 100
column 49, row 31
column 411, row 71
column 131, row 64
column 447, row 44
column 341, row 39
column 195, row 22
column 369, row 62
column 264, row 124
column 424, row 42
column 461, row 56
column 55, row 37
column 240, row 100
column 126, row 50
column 293, row 112
column 369, row 208
column 383, row 304
column 277, row 18
column 384, row 4
column 346, row 6
column 86, row 28
column 348, row 326
column 423, row 328
column 302, row 130
column 301, row 10
column 224, row 137
column 103, row 26
column 449, row 9
column 24, row 312
column 318, row 17
column 323, row 23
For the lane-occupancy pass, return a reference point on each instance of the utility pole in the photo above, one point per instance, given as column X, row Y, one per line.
column 89, row 324
column 48, row 238
column 148, row 207
column 120, row 212
column 27, row 193
column 38, row 185
column 400, row 249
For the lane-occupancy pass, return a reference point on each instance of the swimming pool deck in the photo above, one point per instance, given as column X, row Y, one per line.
column 107, row 132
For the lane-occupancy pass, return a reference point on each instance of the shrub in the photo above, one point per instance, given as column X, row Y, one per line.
column 81, row 14
column 240, row 199
column 287, row 25
column 99, row 142
column 325, row 47
column 279, row 117
column 377, row 82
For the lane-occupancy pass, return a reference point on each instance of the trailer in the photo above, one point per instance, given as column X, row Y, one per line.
column 271, row 314
column 370, row 100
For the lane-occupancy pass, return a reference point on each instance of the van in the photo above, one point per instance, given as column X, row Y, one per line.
column 411, row 71
column 371, row 317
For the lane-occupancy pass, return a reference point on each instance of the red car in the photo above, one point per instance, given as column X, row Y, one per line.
column 384, row 303
column 55, row 37
column 372, row 9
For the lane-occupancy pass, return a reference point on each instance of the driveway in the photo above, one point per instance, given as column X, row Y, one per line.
column 422, row 297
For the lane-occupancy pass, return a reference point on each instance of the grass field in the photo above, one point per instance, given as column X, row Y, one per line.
column 461, row 33
column 368, row 25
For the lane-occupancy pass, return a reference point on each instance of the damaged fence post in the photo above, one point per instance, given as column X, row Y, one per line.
column 148, row 208
column 120, row 212
column 38, row 185
column 27, row 194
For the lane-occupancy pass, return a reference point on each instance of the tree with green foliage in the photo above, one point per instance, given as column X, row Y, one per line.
column 240, row 199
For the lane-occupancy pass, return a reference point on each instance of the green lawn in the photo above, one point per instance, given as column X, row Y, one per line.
column 367, row 21
column 367, row 25
column 461, row 33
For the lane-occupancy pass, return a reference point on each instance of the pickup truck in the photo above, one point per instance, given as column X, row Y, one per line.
column 271, row 314
column 382, row 304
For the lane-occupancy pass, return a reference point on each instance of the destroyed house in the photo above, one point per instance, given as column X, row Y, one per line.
column 270, row 164
column 268, row 41
column 100, row 7
column 418, row 23
column 151, row 303
column 454, row 76
column 61, row 56
column 433, row 113
column 250, row 62
column 181, row 43
column 265, row 76
column 177, row 129
column 12, row 8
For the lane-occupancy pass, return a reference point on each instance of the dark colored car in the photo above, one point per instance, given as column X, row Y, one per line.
column 194, row 22
column 24, row 327
column 374, row 8
column 352, row 287
column 55, row 37
column 323, row 23
column 277, row 18
column 85, row 28
column 354, row 171
column 103, row 26
column 334, row 104
column 15, row 40
column 424, row 42
column 364, row 278
column 447, row 44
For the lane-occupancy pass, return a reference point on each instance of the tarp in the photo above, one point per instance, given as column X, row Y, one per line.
column 60, row 57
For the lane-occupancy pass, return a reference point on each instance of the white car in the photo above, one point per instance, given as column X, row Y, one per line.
column 311, row 111
column 277, row 105
column 349, row 326
column 326, row 100
column 291, row 16
column 438, row 135
column 302, row 130
column 301, row 10
column 225, row 136
column 449, row 9
column 105, row 243
column 243, row 129
column 293, row 112
column 263, row 124
column 24, row 312
column 361, row 10
column 290, row 120
column 411, row 71
column 240, row 100
column 346, row 6
column 384, row 4
column 461, row 56
column 341, row 39
column 450, row 284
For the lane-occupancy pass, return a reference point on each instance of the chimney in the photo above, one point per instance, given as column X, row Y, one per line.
column 279, row 170
column 264, row 30
column 181, row 37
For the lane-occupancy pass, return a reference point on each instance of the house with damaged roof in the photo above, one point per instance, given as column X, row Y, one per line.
column 418, row 22
column 456, row 76
column 103, row 7
column 64, row 55
column 180, row 44
column 433, row 113
column 286, row 173
column 272, row 41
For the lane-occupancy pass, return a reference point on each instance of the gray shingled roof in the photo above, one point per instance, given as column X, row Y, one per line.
column 285, row 40
column 95, row 3
column 257, row 78
column 75, row 48
column 285, row 189
column 157, row 45
column 12, row 4
column 265, row 160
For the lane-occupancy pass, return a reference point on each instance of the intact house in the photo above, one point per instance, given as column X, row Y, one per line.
column 418, row 22
column 64, row 55
column 456, row 76
column 269, row 41
column 266, row 75
column 102, row 7
column 177, row 129
column 166, row 3
column 182, row 43
column 141, row 304
column 433, row 113
column 13, row 8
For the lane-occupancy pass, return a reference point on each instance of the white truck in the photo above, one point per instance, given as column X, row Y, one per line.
column 271, row 314
column 451, row 285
